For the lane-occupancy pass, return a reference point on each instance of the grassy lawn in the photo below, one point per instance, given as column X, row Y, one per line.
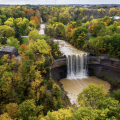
column 24, row 40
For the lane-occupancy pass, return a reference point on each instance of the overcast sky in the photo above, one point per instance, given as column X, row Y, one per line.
column 59, row 2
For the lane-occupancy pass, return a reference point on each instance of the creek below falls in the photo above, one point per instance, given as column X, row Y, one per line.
column 77, row 72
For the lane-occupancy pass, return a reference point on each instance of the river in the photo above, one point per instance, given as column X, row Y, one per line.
column 77, row 77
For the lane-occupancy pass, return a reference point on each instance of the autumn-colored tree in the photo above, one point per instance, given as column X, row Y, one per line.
column 107, row 20
column 35, row 84
column 32, row 24
column 7, row 90
column 59, row 29
column 78, row 36
column 56, row 90
column 12, row 110
column 61, row 114
column 5, row 116
column 0, row 21
column 55, row 52
column 112, row 11
column 36, row 19
column 40, row 46
column 9, row 22
column 23, row 48
column 5, row 58
column 97, row 28
column 21, row 25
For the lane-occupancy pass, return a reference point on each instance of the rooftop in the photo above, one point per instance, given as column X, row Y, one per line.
column 7, row 48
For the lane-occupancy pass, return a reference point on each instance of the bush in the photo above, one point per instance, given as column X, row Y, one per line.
column 116, row 94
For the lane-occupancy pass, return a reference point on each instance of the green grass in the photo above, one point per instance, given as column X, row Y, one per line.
column 92, row 37
column 24, row 40
column 65, row 26
column 83, row 23
column 99, row 19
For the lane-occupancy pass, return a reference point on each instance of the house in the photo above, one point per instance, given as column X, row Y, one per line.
column 8, row 50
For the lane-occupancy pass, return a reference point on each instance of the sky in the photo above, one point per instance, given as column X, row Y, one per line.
column 35, row 2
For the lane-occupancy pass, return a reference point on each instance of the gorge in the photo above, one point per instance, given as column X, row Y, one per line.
column 77, row 73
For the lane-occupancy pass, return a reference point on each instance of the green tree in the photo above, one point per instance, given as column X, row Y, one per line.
column 116, row 94
column 21, row 25
column 6, row 31
column 32, row 24
column 9, row 22
column 111, row 104
column 64, row 17
column 3, row 17
column 97, row 27
column 61, row 114
column 30, row 54
column 84, row 113
column 13, row 42
column 32, row 35
column 79, row 35
column 0, row 21
column 6, row 88
column 29, row 109
column 40, row 46
column 90, row 95
column 56, row 90
column 107, row 20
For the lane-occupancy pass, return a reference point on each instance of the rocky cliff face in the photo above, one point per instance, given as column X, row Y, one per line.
column 105, row 68
column 59, row 72
column 105, row 60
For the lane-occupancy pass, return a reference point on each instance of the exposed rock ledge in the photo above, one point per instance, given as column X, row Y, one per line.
column 102, row 60
column 105, row 60
column 59, row 62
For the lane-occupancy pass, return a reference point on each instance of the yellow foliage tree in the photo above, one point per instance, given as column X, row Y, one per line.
column 61, row 114
column 12, row 110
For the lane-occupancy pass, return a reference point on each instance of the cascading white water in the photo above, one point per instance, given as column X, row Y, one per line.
column 77, row 66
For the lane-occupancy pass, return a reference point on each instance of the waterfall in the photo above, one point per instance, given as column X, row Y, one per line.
column 77, row 66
